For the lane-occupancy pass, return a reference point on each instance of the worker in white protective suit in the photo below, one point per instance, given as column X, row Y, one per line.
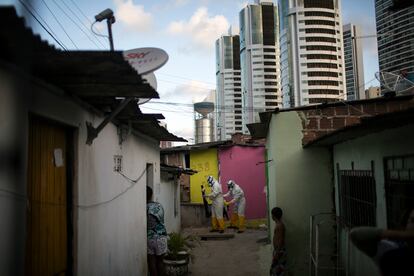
column 237, row 217
column 216, row 196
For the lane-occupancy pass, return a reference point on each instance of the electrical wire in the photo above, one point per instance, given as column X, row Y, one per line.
column 84, row 15
column 80, row 20
column 134, row 182
column 44, row 21
column 22, row 197
column 184, row 78
column 97, row 33
column 51, row 35
column 61, row 26
column 74, row 22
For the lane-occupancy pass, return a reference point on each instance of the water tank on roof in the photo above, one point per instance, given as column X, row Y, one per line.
column 204, row 108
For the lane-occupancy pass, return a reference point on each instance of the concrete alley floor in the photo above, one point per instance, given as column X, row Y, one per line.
column 242, row 255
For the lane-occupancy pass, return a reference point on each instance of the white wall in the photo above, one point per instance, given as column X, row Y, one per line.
column 12, row 175
column 170, row 200
column 109, row 239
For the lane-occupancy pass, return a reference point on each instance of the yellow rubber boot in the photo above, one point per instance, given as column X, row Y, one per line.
column 241, row 224
column 233, row 221
column 221, row 225
column 214, row 224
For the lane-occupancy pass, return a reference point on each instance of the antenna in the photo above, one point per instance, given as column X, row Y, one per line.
column 396, row 84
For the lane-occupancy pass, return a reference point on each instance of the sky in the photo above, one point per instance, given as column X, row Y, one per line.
column 185, row 29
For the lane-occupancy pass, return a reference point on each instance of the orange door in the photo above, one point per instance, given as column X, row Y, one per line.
column 47, row 237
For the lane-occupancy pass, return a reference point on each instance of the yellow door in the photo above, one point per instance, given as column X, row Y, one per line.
column 47, row 238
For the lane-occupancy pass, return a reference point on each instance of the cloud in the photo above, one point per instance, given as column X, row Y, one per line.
column 202, row 29
column 189, row 92
column 133, row 16
column 181, row 2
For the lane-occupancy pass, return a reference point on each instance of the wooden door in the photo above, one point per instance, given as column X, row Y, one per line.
column 47, row 216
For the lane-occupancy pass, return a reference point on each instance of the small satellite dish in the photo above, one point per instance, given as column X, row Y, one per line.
column 146, row 60
column 151, row 79
column 395, row 84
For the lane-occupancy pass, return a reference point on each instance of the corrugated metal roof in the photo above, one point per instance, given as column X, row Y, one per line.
column 94, row 77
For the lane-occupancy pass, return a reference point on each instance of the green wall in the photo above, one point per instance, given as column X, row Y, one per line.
column 300, row 182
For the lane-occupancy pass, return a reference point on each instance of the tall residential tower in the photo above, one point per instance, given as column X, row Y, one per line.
column 312, row 62
column 354, row 66
column 228, row 95
column 395, row 36
column 259, row 59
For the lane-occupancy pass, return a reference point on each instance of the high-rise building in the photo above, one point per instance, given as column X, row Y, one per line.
column 395, row 36
column 228, row 87
column 354, row 66
column 259, row 59
column 312, row 63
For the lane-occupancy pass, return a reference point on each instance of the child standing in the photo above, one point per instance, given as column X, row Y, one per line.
column 278, row 267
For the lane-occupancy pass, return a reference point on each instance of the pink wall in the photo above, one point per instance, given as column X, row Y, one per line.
column 239, row 163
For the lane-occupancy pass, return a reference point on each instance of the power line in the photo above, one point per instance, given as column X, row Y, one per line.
column 134, row 182
column 80, row 20
column 61, row 26
column 198, row 87
column 44, row 21
column 74, row 22
column 184, row 78
column 54, row 38
column 84, row 15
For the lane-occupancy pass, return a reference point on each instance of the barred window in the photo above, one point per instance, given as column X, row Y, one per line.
column 357, row 197
column 399, row 187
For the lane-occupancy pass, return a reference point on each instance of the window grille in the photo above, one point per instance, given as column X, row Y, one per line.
column 357, row 196
column 399, row 188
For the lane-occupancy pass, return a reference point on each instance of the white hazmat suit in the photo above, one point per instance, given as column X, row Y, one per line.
column 237, row 217
column 216, row 196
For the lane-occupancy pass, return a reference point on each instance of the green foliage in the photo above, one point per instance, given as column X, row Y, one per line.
column 177, row 243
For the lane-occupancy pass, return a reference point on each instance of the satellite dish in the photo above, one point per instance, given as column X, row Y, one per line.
column 146, row 60
column 151, row 79
column 397, row 84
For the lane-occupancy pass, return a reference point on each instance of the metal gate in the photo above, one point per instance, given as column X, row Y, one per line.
column 325, row 229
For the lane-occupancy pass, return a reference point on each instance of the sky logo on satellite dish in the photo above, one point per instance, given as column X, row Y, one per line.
column 146, row 60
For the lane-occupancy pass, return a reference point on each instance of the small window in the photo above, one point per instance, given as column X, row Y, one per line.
column 117, row 163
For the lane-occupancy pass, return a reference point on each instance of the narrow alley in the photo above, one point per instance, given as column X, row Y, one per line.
column 245, row 254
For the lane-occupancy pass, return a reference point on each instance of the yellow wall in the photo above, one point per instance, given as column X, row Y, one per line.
column 205, row 162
